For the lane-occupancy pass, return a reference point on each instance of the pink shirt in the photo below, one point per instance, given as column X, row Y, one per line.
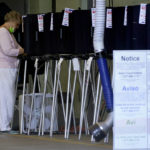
column 9, row 49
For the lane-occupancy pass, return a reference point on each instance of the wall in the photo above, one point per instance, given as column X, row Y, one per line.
column 84, row 4
column 33, row 6
column 29, row 6
column 120, row 2
column 61, row 4
column 128, row 2
column 18, row 5
column 43, row 6
column 39, row 6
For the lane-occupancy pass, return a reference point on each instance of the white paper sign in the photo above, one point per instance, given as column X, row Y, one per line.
column 41, row 23
column 93, row 11
column 66, row 16
column 131, row 100
column 52, row 22
column 23, row 22
column 148, row 89
column 88, row 64
column 109, row 18
column 76, row 65
column 125, row 16
column 142, row 17
column 59, row 63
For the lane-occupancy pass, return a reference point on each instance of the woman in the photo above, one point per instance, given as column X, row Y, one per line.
column 9, row 50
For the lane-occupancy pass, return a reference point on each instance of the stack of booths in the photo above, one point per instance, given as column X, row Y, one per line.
column 132, row 36
column 73, row 39
column 77, row 38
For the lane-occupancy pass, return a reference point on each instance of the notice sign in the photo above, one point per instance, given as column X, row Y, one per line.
column 131, row 100
column 148, row 89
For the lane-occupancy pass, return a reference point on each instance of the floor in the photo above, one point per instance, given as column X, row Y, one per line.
column 24, row 142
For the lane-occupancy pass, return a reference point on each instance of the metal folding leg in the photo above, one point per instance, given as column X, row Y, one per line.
column 92, row 79
column 18, row 71
column 82, row 100
column 99, row 103
column 23, row 98
column 93, row 69
column 54, row 96
column 61, row 94
column 39, row 87
column 33, row 95
column 77, row 73
column 44, row 96
column 74, row 122
column 16, row 86
column 67, row 99
column 51, row 75
column 92, row 83
column 84, row 95
column 42, row 116
column 96, row 103
column 57, row 86
column 62, row 99
column 71, row 107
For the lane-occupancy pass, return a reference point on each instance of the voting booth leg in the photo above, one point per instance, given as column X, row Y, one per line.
column 44, row 95
column 16, row 86
column 42, row 114
column 33, row 95
column 96, row 103
column 60, row 88
column 23, row 99
column 55, row 92
column 71, row 107
column 67, row 98
column 83, row 99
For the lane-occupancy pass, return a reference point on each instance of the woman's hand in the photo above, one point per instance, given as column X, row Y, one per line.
column 21, row 51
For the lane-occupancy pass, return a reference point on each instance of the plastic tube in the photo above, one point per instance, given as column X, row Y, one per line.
column 98, row 39
column 106, row 83
column 100, row 129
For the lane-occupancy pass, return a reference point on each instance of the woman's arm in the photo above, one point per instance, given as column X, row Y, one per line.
column 21, row 50
column 6, row 45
